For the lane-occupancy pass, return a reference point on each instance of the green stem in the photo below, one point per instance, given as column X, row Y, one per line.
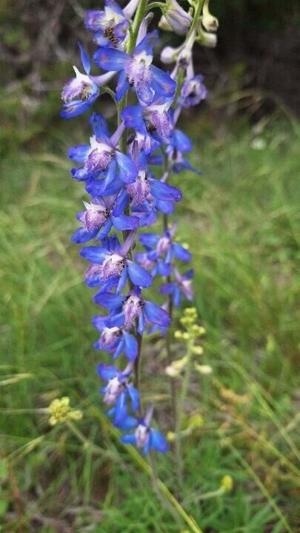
column 180, row 411
column 197, row 13
column 138, row 18
column 138, row 459
column 154, row 5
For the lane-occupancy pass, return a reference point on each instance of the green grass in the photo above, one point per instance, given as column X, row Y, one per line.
column 241, row 220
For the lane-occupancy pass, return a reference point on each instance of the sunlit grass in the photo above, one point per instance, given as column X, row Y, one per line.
column 241, row 221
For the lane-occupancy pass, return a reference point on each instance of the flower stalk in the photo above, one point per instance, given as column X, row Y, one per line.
column 126, row 196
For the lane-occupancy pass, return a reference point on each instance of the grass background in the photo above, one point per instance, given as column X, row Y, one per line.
column 241, row 220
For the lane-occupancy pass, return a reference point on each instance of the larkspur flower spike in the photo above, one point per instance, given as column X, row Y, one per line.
column 123, row 193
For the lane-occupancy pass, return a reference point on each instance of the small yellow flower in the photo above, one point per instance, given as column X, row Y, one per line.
column 178, row 334
column 197, row 350
column 170, row 436
column 60, row 411
column 203, row 369
column 227, row 483
column 174, row 369
column 195, row 421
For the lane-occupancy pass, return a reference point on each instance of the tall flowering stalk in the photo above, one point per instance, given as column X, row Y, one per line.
column 126, row 173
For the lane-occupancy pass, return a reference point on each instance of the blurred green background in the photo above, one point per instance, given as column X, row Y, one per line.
column 241, row 221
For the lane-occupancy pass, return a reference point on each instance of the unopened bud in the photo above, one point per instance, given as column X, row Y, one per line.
column 227, row 483
column 209, row 22
column 175, row 18
column 203, row 369
column 207, row 39
column 197, row 350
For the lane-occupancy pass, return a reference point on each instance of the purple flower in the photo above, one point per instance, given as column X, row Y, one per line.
column 193, row 91
column 178, row 146
column 98, row 219
column 117, row 392
column 162, row 250
column 182, row 285
column 102, row 156
column 151, row 84
column 131, row 309
column 152, row 124
column 80, row 92
column 110, row 262
column 109, row 26
column 115, row 340
column 146, row 437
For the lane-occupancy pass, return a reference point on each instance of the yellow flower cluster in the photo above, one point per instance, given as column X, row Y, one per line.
column 189, row 322
column 60, row 411
column 190, row 334
column 227, row 483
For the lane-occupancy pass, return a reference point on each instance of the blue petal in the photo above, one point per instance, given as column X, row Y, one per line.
column 134, row 397
column 116, row 320
column 122, row 86
column 119, row 349
column 145, row 93
column 122, row 281
column 85, row 60
column 114, row 6
column 131, row 346
column 149, row 240
column 80, row 174
column 146, row 448
column 138, row 275
column 165, row 206
column 105, row 229
column 110, row 176
column 158, row 441
column 147, row 43
column 95, row 254
column 82, row 235
column 164, row 269
column 120, row 409
column 110, row 59
column 99, row 322
column 167, row 288
column 181, row 141
column 127, row 168
column 112, row 243
column 99, row 126
column 128, row 439
column 163, row 191
column 181, row 253
column 78, row 153
column 76, row 108
column 163, row 84
column 107, row 372
column 156, row 314
column 108, row 300
column 125, row 222
column 132, row 116
column 176, row 296
column 121, row 202
column 141, row 324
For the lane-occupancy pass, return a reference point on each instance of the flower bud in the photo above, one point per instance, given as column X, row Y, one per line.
column 209, row 22
column 207, row 39
column 197, row 350
column 175, row 368
column 227, row 483
column 60, row 411
column 203, row 369
column 175, row 18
